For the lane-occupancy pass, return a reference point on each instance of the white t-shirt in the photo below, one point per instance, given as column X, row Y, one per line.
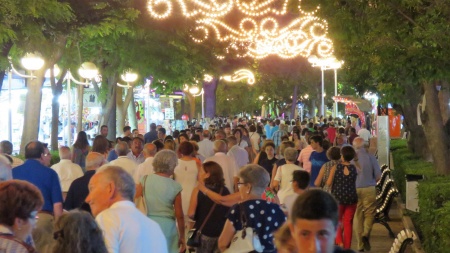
column 126, row 230
column 229, row 167
column 67, row 172
column 255, row 139
column 284, row 176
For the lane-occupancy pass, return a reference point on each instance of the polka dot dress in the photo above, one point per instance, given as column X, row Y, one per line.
column 264, row 217
column 344, row 186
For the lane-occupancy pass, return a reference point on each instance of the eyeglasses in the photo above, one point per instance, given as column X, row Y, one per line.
column 46, row 154
column 239, row 184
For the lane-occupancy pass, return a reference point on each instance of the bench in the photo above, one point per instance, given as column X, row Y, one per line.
column 384, row 206
column 386, row 174
column 384, row 167
column 404, row 238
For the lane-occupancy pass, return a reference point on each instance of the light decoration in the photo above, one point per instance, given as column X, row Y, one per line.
column 258, row 34
column 240, row 75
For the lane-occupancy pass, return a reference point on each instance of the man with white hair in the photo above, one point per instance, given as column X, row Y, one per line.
column 67, row 170
column 146, row 168
column 123, row 160
column 205, row 146
column 78, row 190
column 365, row 189
column 239, row 154
column 125, row 228
column 227, row 163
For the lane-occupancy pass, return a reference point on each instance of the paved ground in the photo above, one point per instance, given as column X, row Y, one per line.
column 379, row 239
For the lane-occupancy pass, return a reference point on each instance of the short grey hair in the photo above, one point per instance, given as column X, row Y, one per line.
column 6, row 147
column 64, row 152
column 122, row 148
column 94, row 160
column 122, row 180
column 290, row 154
column 220, row 146
column 165, row 162
column 256, row 176
column 358, row 143
column 5, row 169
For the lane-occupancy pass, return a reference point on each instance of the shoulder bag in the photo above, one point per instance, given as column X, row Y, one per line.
column 194, row 233
column 140, row 201
column 245, row 240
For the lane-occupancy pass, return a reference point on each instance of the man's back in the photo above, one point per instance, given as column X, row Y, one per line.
column 206, row 148
column 67, row 172
column 365, row 134
column 145, row 168
column 229, row 167
column 150, row 136
column 43, row 178
column 125, row 163
column 126, row 230
column 78, row 192
column 239, row 154
column 370, row 169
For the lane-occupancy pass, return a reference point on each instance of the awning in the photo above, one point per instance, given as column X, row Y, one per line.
column 363, row 104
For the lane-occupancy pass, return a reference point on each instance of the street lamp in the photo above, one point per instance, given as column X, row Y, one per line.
column 325, row 64
column 88, row 70
column 195, row 91
column 30, row 62
column 129, row 77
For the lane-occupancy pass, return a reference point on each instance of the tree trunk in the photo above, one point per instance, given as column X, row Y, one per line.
column 56, row 91
column 294, row 102
column 191, row 100
column 5, row 51
column 80, row 92
column 210, row 89
column 417, row 141
column 434, row 130
column 32, row 111
column 132, row 114
column 112, row 119
column 120, row 115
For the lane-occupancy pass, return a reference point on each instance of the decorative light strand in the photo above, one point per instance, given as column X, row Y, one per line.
column 253, row 38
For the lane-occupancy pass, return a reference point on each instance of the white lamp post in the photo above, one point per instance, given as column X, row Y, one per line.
column 30, row 62
column 195, row 91
column 325, row 64
column 88, row 70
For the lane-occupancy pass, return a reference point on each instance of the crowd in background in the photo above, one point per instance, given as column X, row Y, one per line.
column 144, row 192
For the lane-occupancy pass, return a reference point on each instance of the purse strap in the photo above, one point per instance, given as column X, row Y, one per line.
column 28, row 247
column 210, row 212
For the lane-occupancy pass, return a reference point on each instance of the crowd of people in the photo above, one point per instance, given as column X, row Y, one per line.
column 297, row 185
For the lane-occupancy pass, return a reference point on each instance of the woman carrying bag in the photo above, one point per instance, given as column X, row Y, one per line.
column 253, row 217
column 209, row 217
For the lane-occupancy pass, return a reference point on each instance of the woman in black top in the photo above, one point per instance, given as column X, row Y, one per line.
column 211, row 175
column 268, row 159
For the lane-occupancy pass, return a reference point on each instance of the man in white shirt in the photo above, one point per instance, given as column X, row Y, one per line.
column 227, row 163
column 146, row 168
column 125, row 228
column 239, row 154
column 136, row 150
column 67, row 170
column 123, row 160
column 6, row 148
column 206, row 147
column 364, row 133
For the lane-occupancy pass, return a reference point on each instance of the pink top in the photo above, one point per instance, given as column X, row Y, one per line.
column 303, row 158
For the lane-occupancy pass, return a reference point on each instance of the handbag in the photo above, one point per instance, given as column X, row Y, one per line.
column 194, row 233
column 140, row 201
column 245, row 240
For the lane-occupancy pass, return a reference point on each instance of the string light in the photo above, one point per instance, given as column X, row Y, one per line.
column 257, row 38
column 240, row 75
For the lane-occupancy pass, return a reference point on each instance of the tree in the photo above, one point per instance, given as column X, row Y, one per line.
column 400, row 46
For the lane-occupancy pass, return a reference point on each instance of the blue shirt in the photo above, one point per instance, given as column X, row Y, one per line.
column 370, row 170
column 43, row 178
column 112, row 155
column 268, row 130
column 317, row 161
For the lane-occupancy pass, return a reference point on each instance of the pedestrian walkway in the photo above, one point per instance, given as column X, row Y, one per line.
column 379, row 238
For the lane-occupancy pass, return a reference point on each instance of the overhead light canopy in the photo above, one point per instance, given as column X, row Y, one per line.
column 129, row 76
column 194, row 90
column 88, row 70
column 32, row 61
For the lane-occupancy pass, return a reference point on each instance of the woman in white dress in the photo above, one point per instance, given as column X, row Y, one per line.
column 186, row 173
column 283, row 177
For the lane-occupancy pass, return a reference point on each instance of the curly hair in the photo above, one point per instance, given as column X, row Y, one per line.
column 18, row 199
column 76, row 231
